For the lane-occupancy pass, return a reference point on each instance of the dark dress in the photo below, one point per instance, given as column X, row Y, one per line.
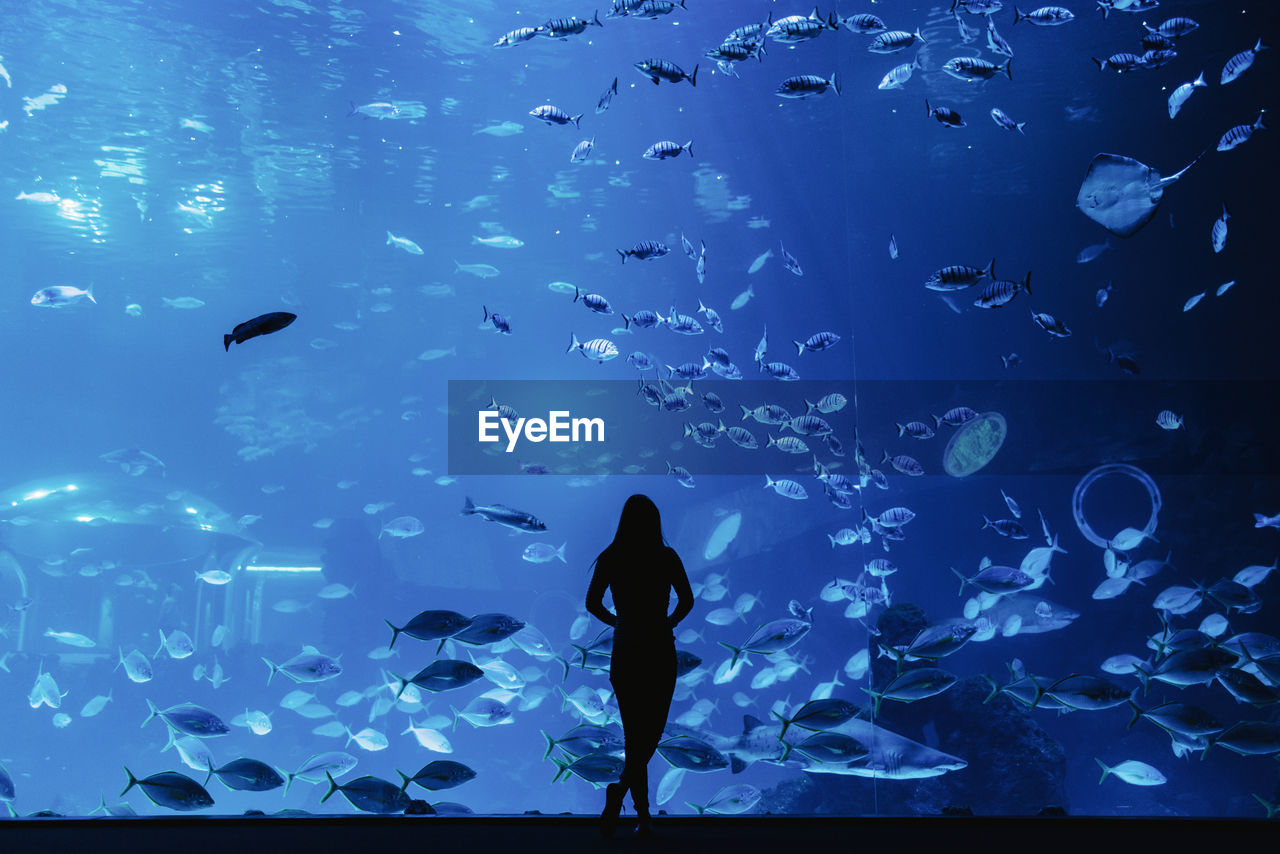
column 642, row 668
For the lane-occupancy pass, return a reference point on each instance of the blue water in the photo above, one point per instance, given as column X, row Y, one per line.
column 210, row 155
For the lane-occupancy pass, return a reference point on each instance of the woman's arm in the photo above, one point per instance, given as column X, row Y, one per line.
column 595, row 596
column 684, row 594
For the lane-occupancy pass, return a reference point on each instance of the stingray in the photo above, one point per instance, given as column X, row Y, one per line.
column 1121, row 194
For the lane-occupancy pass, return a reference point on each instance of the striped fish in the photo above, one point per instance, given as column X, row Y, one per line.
column 807, row 85
column 944, row 115
column 797, row 28
column 817, row 342
column 644, row 250
column 681, row 474
column 1045, row 16
column 667, row 149
column 779, row 370
column 786, row 488
column 683, row 323
column 1240, row 134
column 894, row 41
column 958, row 277
column 660, row 69
column 971, row 68
column 515, row 37
column 1174, row 28
column 789, row 444
column 582, row 150
column 600, row 349
column 909, row 466
column 867, row 25
column 1240, row 63
column 1001, row 292
column 651, row 9
column 1220, row 230
column 559, row 28
column 742, row 438
column 553, row 115
column 808, row 425
column 1121, row 63
column 595, row 302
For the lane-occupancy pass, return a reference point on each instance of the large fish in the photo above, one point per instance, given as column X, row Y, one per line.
column 517, row 520
column 263, row 324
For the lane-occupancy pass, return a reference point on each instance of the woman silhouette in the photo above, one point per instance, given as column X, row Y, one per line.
column 641, row 570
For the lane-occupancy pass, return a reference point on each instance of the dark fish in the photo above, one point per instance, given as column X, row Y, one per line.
column 441, row 774
column 945, row 115
column 661, row 69
column 171, row 789
column 371, row 794
column 430, row 625
column 263, row 324
column 607, row 97
column 247, row 775
column 443, row 675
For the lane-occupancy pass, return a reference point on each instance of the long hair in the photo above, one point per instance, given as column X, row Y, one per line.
column 639, row 529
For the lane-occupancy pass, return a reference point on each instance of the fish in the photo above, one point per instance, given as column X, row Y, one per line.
column 660, row 69
column 1090, row 253
column 1240, row 134
column 759, row 261
column 501, row 129
column 500, row 322
column 263, row 324
column 1168, row 420
column 310, row 665
column 599, row 349
column 402, row 527
column 247, row 775
column 1179, row 96
column 543, row 552
column 59, row 296
column 606, row 98
column 1050, row 324
column 895, row 77
column 403, row 243
column 171, row 789
column 582, row 151
column 1002, row 119
column 188, row 719
column 971, row 69
column 370, row 794
column 1240, row 63
column 483, row 271
column 789, row 261
column 1045, row 16
column 518, row 36
column 503, row 241
column 644, row 250
column 893, row 41
column 71, row 639
column 1122, row 194
column 1193, row 301
column 1133, row 772
column 375, row 110
column 807, row 86
column 1218, row 235
column 553, row 115
column 945, row 115
column 1224, row 287
column 666, row 149
column 516, row 520
column 893, row 247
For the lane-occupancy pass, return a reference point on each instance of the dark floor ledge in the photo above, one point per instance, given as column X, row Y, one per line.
column 534, row 834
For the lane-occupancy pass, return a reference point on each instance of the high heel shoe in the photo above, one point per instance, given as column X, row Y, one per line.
column 613, row 795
